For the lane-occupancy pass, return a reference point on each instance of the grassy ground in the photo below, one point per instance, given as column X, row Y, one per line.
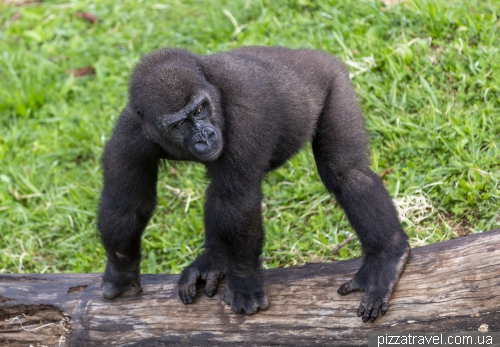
column 427, row 74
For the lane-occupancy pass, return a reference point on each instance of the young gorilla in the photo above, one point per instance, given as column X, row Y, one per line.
column 242, row 114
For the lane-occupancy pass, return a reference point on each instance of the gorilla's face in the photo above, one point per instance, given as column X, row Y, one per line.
column 181, row 112
column 192, row 127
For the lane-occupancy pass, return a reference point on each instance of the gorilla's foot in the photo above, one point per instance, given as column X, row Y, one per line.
column 246, row 292
column 377, row 277
column 248, row 302
column 209, row 267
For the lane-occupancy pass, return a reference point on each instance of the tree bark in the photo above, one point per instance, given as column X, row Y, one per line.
column 447, row 287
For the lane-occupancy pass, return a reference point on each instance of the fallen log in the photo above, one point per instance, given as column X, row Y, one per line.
column 447, row 287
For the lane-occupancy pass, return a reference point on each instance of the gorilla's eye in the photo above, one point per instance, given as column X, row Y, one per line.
column 198, row 111
column 180, row 124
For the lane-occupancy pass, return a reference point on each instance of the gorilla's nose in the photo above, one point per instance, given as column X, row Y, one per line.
column 208, row 134
column 204, row 142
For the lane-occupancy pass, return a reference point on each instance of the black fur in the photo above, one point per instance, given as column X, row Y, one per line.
column 242, row 114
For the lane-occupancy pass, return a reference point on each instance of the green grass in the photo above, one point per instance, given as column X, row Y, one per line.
column 427, row 74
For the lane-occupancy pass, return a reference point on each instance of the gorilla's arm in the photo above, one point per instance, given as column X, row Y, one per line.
column 130, row 164
column 233, row 241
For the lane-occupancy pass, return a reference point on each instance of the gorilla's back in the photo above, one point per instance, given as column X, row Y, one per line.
column 287, row 84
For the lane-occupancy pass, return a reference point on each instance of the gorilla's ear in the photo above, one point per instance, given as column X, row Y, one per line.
column 200, row 71
column 140, row 113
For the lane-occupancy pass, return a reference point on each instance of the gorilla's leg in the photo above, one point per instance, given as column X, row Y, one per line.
column 340, row 150
column 130, row 163
column 233, row 244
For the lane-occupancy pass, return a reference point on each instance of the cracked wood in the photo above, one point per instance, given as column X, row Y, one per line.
column 447, row 287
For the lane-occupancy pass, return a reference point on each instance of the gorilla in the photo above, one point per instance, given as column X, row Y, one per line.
column 242, row 114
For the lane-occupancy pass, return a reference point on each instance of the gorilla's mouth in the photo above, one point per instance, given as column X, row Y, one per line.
column 206, row 144
column 211, row 156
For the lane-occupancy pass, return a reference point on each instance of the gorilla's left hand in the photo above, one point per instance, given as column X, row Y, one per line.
column 209, row 267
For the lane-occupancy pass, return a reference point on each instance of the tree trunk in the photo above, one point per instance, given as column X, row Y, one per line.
column 447, row 287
